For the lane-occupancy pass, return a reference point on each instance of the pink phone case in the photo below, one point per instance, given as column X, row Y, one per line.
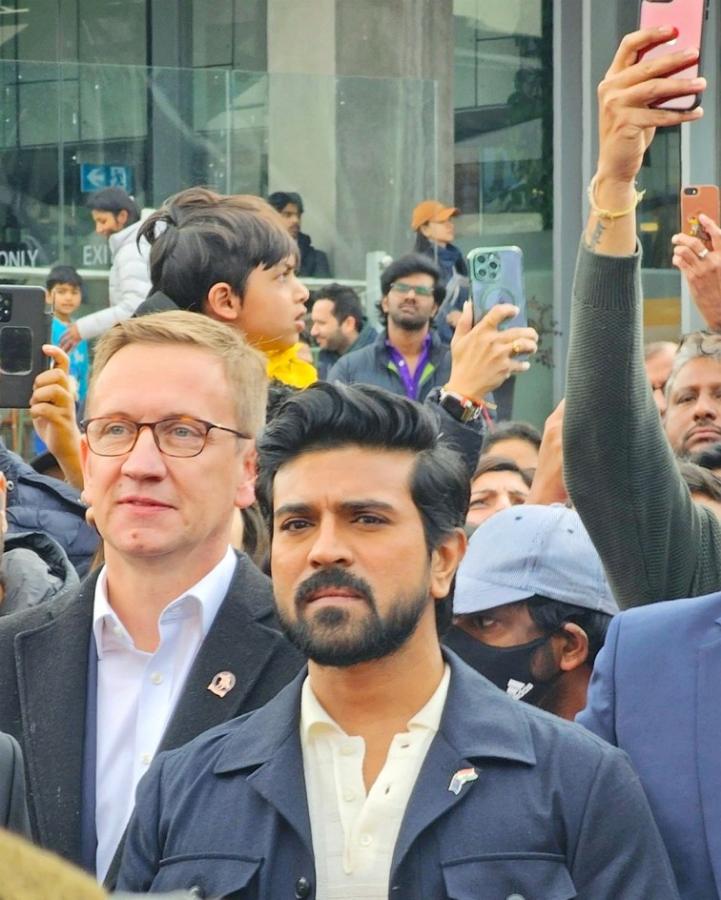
column 688, row 18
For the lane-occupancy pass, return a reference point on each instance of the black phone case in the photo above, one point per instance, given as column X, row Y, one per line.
column 25, row 324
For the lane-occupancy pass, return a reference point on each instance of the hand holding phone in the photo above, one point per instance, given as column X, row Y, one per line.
column 484, row 355
column 25, row 320
column 497, row 277
column 698, row 200
column 687, row 17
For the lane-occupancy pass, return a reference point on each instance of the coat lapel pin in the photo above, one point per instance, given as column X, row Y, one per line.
column 462, row 776
column 222, row 684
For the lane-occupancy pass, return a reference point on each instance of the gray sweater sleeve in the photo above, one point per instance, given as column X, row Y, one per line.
column 655, row 542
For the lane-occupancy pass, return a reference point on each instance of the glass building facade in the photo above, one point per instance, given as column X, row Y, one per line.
column 365, row 107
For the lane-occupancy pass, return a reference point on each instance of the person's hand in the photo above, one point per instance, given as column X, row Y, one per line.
column 52, row 408
column 482, row 356
column 702, row 268
column 70, row 338
column 548, row 484
column 627, row 121
column 453, row 317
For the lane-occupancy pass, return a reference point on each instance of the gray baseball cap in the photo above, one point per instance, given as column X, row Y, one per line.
column 529, row 550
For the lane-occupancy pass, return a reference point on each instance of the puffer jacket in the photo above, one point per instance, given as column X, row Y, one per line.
column 34, row 569
column 39, row 503
column 128, row 282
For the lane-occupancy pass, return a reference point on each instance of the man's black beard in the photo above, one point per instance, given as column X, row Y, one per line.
column 320, row 636
column 409, row 324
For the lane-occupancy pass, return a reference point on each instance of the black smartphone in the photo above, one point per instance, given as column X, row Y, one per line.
column 25, row 323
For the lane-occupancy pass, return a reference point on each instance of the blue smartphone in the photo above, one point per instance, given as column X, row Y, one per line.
column 496, row 275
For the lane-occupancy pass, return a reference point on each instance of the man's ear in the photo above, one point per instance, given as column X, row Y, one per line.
column 86, row 495
column 248, row 472
column 445, row 560
column 222, row 303
column 348, row 326
column 571, row 646
column 121, row 217
column 384, row 303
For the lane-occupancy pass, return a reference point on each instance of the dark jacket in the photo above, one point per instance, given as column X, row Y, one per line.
column 554, row 813
column 40, row 503
column 373, row 365
column 328, row 358
column 43, row 673
column 155, row 303
column 313, row 262
column 34, row 568
column 13, row 808
column 655, row 694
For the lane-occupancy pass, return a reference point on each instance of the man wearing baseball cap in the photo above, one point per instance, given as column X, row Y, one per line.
column 532, row 606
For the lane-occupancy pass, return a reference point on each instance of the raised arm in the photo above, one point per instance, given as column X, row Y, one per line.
column 619, row 468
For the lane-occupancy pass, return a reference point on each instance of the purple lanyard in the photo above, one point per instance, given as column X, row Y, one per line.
column 411, row 383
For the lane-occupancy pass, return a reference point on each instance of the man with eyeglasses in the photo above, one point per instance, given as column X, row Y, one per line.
column 175, row 633
column 407, row 358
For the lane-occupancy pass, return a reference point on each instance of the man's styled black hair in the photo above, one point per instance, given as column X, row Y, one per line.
column 328, row 416
column 63, row 275
column 280, row 199
column 114, row 200
column 410, row 264
column 504, row 431
column 549, row 615
column 206, row 238
column 346, row 303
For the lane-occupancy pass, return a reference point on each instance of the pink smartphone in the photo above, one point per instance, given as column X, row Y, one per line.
column 687, row 16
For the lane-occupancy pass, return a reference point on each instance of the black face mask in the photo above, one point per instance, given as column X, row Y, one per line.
column 509, row 668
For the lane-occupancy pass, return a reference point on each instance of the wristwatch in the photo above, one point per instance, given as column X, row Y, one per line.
column 463, row 409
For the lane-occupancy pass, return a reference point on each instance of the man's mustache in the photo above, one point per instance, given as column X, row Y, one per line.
column 333, row 577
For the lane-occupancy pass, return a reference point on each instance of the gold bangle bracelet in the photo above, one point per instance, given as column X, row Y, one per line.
column 608, row 213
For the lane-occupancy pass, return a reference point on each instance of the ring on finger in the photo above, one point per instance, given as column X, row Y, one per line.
column 703, row 253
column 515, row 348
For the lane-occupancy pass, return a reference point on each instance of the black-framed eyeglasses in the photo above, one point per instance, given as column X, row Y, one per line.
column 180, row 436
column 421, row 290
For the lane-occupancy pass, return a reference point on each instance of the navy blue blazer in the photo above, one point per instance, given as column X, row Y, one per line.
column 44, row 681
column 555, row 813
column 656, row 693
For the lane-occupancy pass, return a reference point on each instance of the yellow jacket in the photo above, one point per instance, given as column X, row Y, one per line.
column 285, row 366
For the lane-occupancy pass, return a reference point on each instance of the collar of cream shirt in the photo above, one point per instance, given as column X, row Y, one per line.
column 203, row 599
column 314, row 719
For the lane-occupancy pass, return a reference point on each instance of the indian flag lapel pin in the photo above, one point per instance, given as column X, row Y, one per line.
column 462, row 776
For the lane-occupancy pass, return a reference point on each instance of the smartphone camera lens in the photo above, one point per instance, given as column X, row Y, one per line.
column 6, row 307
column 481, row 273
column 691, row 191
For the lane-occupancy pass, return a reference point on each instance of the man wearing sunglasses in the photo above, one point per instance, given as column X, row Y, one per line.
column 407, row 358
column 174, row 633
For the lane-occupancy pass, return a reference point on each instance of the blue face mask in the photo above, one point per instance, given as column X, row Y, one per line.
column 509, row 668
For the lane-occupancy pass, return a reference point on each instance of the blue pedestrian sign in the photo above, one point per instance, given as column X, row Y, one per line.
column 95, row 177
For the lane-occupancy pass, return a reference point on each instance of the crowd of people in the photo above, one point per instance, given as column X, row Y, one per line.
column 278, row 629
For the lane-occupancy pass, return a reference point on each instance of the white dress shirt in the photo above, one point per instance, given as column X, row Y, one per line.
column 354, row 832
column 137, row 692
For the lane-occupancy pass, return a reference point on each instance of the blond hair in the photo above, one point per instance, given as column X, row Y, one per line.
column 28, row 873
column 244, row 367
